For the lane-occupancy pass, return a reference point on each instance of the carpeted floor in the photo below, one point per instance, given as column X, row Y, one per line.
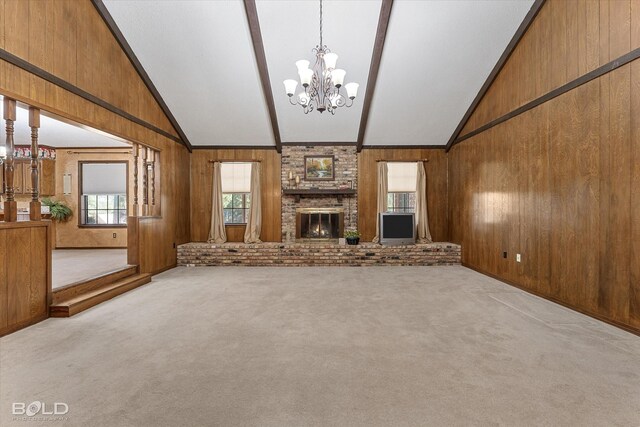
column 383, row 346
column 72, row 265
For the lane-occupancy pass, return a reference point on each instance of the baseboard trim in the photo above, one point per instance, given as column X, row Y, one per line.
column 22, row 325
column 596, row 316
column 90, row 247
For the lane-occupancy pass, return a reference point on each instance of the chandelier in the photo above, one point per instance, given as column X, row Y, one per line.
column 321, row 83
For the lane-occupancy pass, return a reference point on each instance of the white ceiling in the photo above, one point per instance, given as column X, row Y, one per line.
column 289, row 31
column 199, row 55
column 58, row 134
column 436, row 57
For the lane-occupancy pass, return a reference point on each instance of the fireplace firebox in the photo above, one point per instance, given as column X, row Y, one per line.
column 319, row 224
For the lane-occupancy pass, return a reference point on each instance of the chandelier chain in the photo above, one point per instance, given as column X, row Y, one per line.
column 320, row 24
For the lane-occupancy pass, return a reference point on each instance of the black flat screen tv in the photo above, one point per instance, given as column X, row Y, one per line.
column 397, row 228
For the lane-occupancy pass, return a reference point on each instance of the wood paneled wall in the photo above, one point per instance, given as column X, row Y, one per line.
column 558, row 183
column 69, row 39
column 436, row 169
column 25, row 274
column 201, row 189
column 566, row 40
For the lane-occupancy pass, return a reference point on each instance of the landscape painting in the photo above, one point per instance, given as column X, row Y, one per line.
column 319, row 168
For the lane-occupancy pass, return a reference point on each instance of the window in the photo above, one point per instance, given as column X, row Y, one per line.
column 104, row 209
column 236, row 207
column 401, row 202
column 236, row 187
column 103, row 194
column 401, row 186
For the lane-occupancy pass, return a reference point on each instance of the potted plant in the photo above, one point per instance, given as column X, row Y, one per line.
column 59, row 211
column 352, row 237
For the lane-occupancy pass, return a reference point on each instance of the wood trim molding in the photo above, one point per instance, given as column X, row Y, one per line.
column 319, row 144
column 554, row 300
column 522, row 29
column 598, row 72
column 45, row 75
column 381, row 34
column 233, row 147
column 113, row 27
column 261, row 60
column 404, row 147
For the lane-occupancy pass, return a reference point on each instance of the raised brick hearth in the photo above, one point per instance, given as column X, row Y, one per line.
column 316, row 254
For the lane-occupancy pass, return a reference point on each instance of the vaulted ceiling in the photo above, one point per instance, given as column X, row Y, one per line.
column 201, row 58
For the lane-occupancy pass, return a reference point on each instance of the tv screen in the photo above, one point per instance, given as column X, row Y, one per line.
column 397, row 226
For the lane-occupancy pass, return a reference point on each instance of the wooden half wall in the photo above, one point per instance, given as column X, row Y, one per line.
column 558, row 183
column 25, row 274
column 69, row 40
column 436, row 169
column 201, row 190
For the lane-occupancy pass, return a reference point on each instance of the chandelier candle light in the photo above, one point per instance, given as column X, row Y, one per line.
column 321, row 83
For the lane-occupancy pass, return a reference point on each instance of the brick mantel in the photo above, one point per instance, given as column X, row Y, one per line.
column 338, row 193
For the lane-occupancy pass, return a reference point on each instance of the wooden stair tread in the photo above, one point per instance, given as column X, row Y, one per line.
column 72, row 290
column 88, row 299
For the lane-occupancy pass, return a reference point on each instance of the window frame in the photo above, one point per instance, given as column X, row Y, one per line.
column 403, row 209
column 82, row 209
column 245, row 208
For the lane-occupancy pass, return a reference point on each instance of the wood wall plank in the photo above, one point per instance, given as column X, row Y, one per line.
column 573, row 162
column 436, row 169
column 634, row 254
column 566, row 40
column 201, row 189
column 69, row 39
column 102, row 69
column 25, row 274
column 4, row 304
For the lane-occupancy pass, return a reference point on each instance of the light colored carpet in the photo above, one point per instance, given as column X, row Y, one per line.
column 383, row 346
column 72, row 265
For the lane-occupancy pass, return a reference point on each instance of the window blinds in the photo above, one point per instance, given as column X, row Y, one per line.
column 402, row 177
column 236, row 177
column 104, row 178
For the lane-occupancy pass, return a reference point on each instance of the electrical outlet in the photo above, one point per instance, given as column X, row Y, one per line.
column 504, row 255
column 518, row 258
column 114, row 235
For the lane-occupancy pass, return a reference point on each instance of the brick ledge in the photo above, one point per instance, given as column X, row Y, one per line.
column 316, row 254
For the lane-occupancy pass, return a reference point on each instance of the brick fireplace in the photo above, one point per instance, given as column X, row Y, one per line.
column 318, row 224
column 346, row 177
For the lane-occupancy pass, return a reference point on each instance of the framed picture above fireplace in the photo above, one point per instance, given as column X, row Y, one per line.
column 319, row 168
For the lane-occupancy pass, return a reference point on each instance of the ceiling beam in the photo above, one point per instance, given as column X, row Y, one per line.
column 381, row 34
column 522, row 29
column 261, row 59
column 111, row 24
column 317, row 143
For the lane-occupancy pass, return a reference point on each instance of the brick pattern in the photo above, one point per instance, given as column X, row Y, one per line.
column 315, row 254
column 346, row 175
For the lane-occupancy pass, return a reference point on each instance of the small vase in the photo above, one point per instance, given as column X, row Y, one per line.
column 353, row 240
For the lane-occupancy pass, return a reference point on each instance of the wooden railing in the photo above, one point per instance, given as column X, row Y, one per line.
column 150, row 157
column 25, row 246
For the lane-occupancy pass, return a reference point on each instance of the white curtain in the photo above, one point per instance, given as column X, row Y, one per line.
column 254, row 223
column 422, row 219
column 382, row 196
column 217, row 233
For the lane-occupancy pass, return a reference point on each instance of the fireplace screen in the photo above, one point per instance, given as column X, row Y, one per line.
column 323, row 224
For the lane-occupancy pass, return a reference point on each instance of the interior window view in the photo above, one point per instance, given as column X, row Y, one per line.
column 319, row 213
